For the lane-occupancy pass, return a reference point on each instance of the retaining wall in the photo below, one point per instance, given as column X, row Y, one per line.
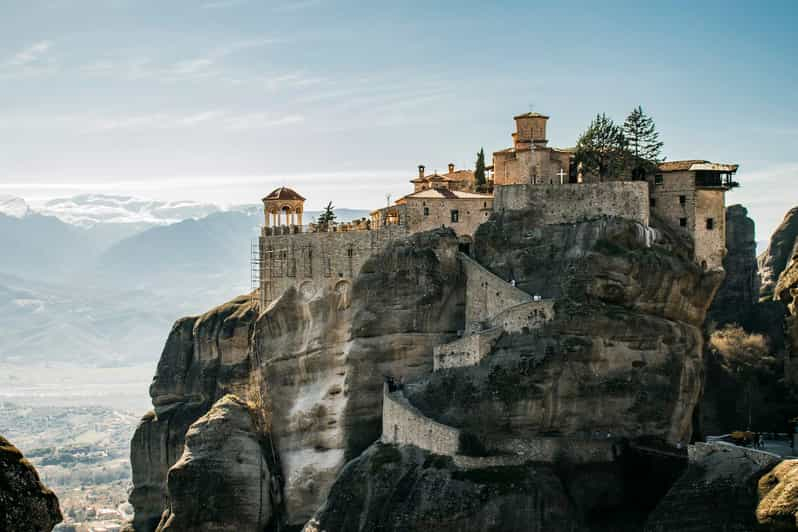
column 404, row 424
column 467, row 351
column 526, row 316
column 574, row 202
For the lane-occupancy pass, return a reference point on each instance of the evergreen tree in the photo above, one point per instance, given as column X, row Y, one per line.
column 602, row 149
column 479, row 172
column 327, row 216
column 642, row 136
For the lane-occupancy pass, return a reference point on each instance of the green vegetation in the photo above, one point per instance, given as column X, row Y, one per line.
column 327, row 216
column 479, row 172
column 608, row 150
column 602, row 149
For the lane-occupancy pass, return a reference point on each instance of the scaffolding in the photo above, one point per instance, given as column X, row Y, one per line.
column 260, row 273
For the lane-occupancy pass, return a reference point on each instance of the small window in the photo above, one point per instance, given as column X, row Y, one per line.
column 426, row 211
column 683, row 222
column 485, row 205
column 455, row 216
column 350, row 252
column 652, row 202
column 682, row 200
column 658, row 179
column 710, row 224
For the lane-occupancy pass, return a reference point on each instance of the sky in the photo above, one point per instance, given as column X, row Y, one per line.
column 223, row 100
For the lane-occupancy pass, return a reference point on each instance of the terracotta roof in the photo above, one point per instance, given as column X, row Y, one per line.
column 530, row 115
column 459, row 175
column 448, row 194
column 283, row 193
column 678, row 166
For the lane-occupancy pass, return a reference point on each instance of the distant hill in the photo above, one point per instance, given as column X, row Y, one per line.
column 106, row 293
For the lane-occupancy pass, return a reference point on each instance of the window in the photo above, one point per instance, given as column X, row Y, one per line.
column 710, row 224
column 658, row 179
column 455, row 216
column 683, row 222
column 350, row 252
column 426, row 211
column 682, row 200
column 652, row 202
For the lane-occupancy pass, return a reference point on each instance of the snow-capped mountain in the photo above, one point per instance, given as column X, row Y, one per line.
column 13, row 206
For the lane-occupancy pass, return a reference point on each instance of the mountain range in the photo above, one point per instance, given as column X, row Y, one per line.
column 100, row 279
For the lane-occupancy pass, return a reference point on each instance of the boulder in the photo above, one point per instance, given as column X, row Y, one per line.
column 26, row 504
column 778, row 497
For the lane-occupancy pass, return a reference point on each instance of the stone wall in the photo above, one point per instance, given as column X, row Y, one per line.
column 467, row 351
column 471, row 212
column 524, row 317
column 569, row 203
column 403, row 424
column 313, row 262
column 487, row 294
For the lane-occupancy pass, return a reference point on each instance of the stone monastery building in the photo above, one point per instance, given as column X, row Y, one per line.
column 687, row 195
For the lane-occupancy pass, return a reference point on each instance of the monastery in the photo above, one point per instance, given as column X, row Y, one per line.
column 687, row 195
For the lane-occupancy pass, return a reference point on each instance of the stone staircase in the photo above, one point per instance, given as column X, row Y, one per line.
column 505, row 309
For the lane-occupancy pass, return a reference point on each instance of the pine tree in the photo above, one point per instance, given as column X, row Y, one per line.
column 327, row 216
column 602, row 149
column 479, row 171
column 642, row 135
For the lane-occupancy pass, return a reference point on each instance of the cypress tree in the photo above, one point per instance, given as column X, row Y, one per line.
column 327, row 216
column 479, row 171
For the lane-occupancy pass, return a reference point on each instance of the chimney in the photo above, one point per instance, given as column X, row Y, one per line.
column 451, row 167
column 421, row 170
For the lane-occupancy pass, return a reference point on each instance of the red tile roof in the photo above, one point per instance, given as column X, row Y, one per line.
column 283, row 193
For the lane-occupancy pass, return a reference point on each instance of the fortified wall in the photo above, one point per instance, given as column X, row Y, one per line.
column 404, row 424
column 317, row 261
column 574, row 202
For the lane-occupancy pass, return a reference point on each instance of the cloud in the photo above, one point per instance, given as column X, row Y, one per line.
column 296, row 5
column 95, row 123
column 221, row 4
column 31, row 54
column 193, row 66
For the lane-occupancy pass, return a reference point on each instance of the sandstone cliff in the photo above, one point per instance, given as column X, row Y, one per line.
column 312, row 363
column 781, row 249
column 26, row 505
column 737, row 296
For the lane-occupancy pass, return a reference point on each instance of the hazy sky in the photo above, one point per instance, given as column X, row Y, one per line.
column 224, row 99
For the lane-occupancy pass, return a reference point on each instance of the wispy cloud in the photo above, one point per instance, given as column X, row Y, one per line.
column 95, row 123
column 222, row 4
column 296, row 5
column 32, row 54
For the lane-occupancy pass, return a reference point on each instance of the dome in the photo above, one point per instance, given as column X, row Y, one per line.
column 283, row 193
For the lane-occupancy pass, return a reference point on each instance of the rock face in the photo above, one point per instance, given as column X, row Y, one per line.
column 620, row 361
column 222, row 481
column 717, row 492
column 26, row 505
column 623, row 355
column 204, row 358
column 739, row 292
column 314, row 365
column 780, row 251
column 778, row 494
column 407, row 490
column 779, row 267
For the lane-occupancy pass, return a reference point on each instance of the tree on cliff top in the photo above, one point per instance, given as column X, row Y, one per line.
column 479, row 172
column 327, row 216
column 643, row 140
column 602, row 149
